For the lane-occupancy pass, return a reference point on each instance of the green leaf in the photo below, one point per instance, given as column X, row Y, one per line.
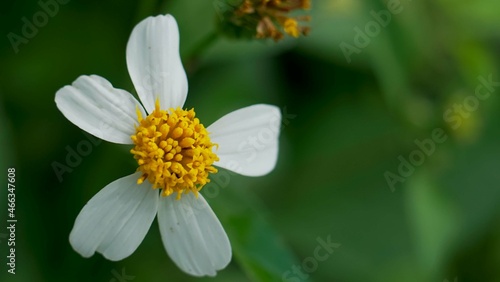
column 435, row 220
column 257, row 246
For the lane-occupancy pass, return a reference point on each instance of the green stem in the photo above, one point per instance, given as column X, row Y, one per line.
column 201, row 47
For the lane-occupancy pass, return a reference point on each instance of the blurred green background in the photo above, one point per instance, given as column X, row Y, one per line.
column 348, row 124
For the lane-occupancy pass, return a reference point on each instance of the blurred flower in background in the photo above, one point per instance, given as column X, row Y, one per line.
column 263, row 19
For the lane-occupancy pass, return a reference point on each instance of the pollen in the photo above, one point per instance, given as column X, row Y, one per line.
column 173, row 151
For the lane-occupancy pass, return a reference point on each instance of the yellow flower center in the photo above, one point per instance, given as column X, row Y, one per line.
column 173, row 151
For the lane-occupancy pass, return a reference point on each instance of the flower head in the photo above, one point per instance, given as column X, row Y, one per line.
column 173, row 151
column 175, row 154
column 266, row 18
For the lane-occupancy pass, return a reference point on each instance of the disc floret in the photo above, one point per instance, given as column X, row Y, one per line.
column 173, row 151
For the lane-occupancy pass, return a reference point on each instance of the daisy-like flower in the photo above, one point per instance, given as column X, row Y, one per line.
column 175, row 154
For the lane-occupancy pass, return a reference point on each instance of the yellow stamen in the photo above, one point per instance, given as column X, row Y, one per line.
column 173, row 151
column 291, row 27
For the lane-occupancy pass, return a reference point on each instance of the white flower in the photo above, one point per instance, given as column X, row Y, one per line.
column 174, row 152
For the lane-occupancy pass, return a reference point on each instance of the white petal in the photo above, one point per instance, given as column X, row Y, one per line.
column 154, row 63
column 247, row 139
column 115, row 221
column 192, row 235
column 92, row 104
